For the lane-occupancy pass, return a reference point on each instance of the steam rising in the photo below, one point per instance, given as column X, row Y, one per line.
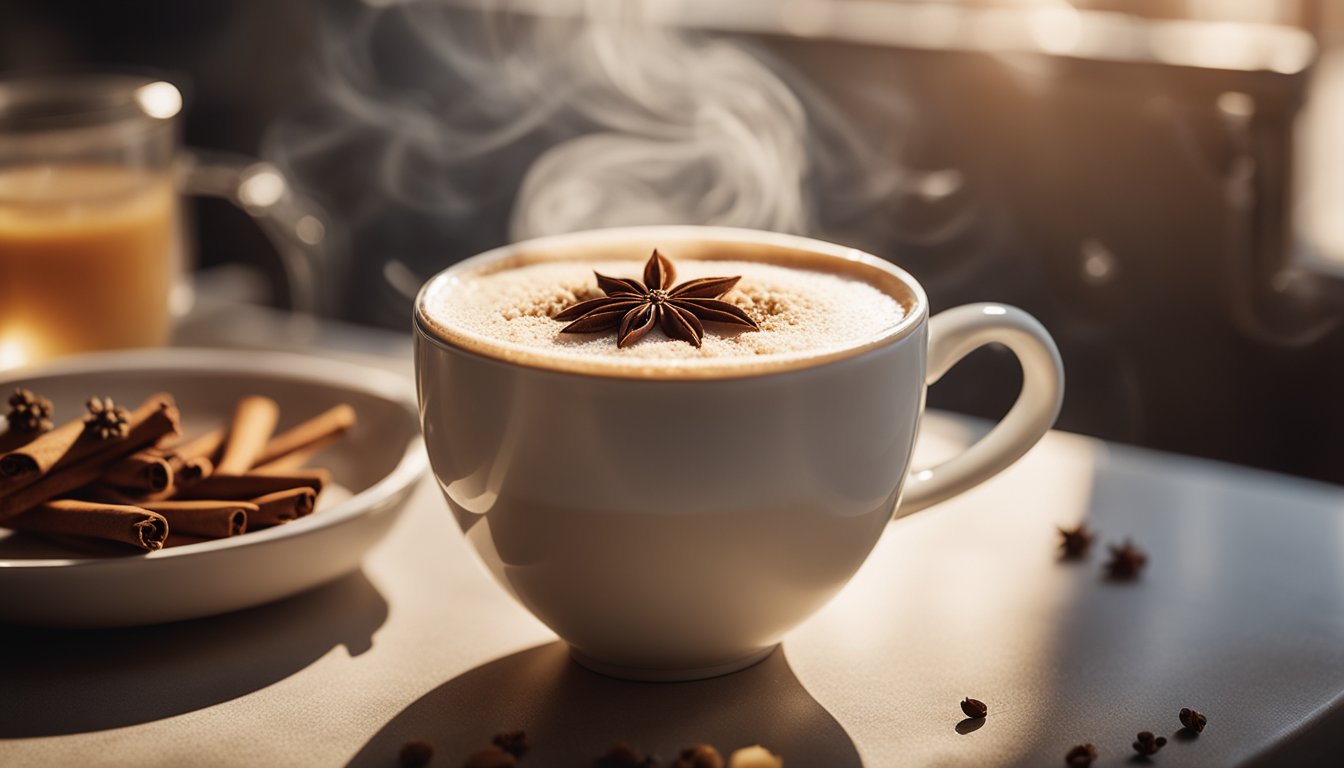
column 594, row 120
column 685, row 130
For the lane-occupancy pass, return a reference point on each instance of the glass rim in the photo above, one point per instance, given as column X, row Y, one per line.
column 42, row 104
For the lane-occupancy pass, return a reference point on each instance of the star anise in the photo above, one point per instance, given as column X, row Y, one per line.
column 633, row 308
column 29, row 412
column 106, row 419
column 1126, row 562
column 1076, row 541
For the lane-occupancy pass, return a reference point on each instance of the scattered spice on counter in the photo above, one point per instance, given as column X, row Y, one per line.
column 974, row 707
column 1126, row 563
column 1192, row 720
column 1081, row 756
column 1146, row 744
column 1075, row 542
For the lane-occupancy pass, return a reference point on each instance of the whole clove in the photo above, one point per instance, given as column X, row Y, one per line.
column 106, row 420
column 29, row 412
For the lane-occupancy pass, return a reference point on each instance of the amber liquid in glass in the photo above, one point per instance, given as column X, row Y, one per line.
column 88, row 257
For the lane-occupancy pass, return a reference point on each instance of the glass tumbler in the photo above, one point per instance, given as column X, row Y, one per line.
column 92, row 252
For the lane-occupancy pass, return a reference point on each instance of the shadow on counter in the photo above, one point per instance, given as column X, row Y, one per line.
column 572, row 715
column 77, row 681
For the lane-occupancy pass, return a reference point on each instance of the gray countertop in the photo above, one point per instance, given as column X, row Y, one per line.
column 1240, row 614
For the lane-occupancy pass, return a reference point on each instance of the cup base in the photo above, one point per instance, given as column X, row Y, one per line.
column 675, row 675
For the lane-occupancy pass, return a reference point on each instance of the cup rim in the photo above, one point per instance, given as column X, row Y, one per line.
column 507, row 353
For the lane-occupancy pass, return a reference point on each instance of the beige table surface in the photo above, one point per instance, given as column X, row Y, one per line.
column 1240, row 615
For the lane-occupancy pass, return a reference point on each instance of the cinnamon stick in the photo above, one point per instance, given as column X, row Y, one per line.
column 188, row 471
column 43, row 453
column 296, row 459
column 283, row 506
column 253, row 421
column 15, row 438
column 205, row 446
column 70, row 444
column 110, row 522
column 205, row 519
column 153, row 420
column 253, row 484
column 141, row 471
column 49, row 487
column 307, row 437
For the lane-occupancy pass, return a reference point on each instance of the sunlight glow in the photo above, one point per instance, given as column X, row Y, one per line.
column 12, row 353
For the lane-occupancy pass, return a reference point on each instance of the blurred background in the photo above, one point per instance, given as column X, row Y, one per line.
column 1159, row 181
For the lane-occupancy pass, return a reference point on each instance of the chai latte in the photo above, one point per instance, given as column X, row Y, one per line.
column 804, row 304
column 88, row 255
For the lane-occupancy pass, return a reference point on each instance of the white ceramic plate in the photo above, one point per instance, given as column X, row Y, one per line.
column 378, row 462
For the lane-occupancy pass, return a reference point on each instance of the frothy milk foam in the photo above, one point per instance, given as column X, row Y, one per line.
column 804, row 303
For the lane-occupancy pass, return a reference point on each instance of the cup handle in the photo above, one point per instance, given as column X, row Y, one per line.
column 955, row 333
column 295, row 226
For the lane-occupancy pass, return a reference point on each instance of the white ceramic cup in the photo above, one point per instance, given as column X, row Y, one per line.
column 675, row 528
